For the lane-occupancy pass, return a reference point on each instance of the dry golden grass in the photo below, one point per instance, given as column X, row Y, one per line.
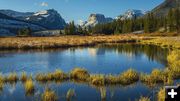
column 62, row 41
column 49, row 95
column 12, row 77
column 23, row 77
column 79, row 74
column 161, row 95
column 98, row 79
column 144, row 99
column 29, row 86
column 128, row 77
column 168, row 42
column 58, row 75
column 174, row 63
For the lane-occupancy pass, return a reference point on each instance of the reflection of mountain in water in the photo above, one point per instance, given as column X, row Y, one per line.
column 154, row 53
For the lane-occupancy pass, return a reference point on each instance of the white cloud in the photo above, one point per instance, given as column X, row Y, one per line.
column 44, row 4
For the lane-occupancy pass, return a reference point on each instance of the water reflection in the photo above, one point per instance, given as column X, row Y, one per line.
column 106, row 59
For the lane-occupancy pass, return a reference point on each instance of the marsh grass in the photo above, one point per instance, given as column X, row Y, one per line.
column 174, row 63
column 128, row 77
column 112, row 79
column 24, row 77
column 62, row 41
column 12, row 78
column 144, row 99
column 49, row 95
column 58, row 75
column 1, row 86
column 79, row 74
column 161, row 95
column 29, row 86
column 70, row 93
column 98, row 79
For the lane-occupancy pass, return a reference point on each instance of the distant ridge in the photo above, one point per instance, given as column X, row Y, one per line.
column 163, row 8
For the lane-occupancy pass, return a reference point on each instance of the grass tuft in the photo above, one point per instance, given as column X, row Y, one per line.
column 98, row 80
column 128, row 77
column 12, row 77
column 49, row 95
column 161, row 95
column 23, row 77
column 29, row 86
column 79, row 74
column 144, row 99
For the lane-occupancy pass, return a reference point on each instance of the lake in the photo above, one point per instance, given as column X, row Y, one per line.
column 104, row 59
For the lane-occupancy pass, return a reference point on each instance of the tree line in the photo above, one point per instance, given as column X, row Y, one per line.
column 149, row 23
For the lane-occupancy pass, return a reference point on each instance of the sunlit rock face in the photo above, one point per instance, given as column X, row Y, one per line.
column 96, row 19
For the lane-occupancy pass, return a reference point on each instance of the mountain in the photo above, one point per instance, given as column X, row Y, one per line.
column 9, row 25
column 130, row 14
column 49, row 19
column 96, row 19
column 164, row 7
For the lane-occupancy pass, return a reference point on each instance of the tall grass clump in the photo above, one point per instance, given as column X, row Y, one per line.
column 128, row 77
column 112, row 79
column 174, row 63
column 59, row 75
column 161, row 95
column 49, row 95
column 144, row 99
column 29, row 86
column 12, row 77
column 98, row 80
column 23, row 77
column 156, row 76
column 79, row 74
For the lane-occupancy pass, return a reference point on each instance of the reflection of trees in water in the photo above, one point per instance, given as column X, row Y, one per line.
column 151, row 51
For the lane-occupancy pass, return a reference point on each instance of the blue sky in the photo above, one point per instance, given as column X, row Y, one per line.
column 80, row 9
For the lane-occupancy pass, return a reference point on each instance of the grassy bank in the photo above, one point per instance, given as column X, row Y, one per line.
column 167, row 42
column 62, row 41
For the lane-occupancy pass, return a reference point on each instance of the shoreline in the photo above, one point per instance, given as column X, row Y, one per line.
column 64, row 41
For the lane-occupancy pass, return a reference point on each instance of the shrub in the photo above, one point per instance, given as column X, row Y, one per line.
column 49, row 95
column 79, row 74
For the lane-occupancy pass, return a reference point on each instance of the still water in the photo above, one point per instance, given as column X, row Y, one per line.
column 106, row 59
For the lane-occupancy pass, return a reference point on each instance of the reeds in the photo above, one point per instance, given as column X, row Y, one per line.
column 49, row 95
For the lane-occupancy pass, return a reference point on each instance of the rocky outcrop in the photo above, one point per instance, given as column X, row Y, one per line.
column 96, row 19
